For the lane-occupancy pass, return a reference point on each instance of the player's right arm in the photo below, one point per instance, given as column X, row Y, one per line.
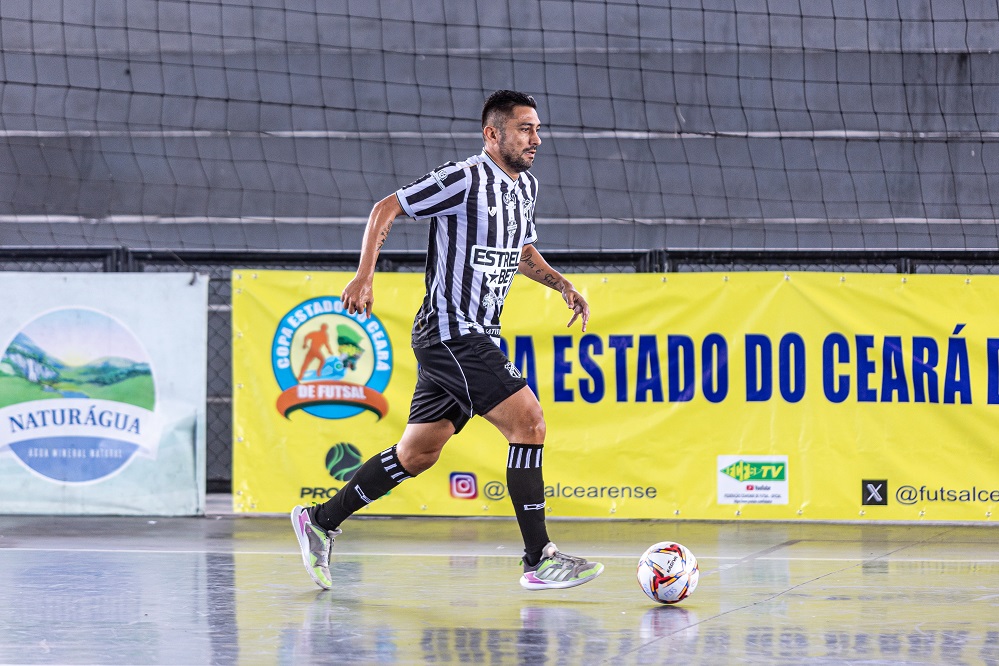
column 358, row 295
column 440, row 192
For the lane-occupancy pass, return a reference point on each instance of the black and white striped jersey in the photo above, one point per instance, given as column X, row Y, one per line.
column 479, row 220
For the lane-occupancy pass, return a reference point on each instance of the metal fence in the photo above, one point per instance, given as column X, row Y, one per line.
column 218, row 266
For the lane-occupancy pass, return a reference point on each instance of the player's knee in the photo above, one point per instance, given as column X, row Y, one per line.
column 417, row 462
column 427, row 460
column 532, row 427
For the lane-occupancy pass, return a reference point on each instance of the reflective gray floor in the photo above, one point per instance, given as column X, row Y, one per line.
column 224, row 590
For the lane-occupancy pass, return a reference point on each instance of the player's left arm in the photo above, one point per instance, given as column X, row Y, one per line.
column 534, row 266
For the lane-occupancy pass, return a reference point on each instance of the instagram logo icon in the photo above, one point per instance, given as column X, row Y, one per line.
column 464, row 485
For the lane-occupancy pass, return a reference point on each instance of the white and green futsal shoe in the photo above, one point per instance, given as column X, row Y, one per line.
column 556, row 570
column 315, row 543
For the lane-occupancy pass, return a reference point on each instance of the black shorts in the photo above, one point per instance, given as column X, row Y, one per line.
column 460, row 378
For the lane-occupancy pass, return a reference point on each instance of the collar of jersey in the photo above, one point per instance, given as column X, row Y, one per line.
column 502, row 173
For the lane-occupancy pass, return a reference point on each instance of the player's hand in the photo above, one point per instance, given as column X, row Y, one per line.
column 358, row 296
column 578, row 305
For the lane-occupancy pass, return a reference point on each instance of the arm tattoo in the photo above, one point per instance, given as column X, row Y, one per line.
column 382, row 237
column 527, row 259
column 552, row 282
column 549, row 279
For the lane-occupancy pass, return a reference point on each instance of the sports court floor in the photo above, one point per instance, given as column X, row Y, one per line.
column 232, row 590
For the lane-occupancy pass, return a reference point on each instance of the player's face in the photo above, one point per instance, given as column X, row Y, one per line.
column 519, row 139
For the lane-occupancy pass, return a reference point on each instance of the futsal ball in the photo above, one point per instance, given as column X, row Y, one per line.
column 668, row 572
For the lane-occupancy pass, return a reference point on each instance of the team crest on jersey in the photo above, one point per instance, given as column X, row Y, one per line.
column 509, row 199
column 329, row 363
column 528, row 209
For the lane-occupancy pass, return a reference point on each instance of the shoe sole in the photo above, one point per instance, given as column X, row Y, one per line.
column 303, row 545
column 561, row 585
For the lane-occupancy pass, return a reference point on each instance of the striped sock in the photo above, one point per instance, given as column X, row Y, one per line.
column 377, row 476
column 527, row 492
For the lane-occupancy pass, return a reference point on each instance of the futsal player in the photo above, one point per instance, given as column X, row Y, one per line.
column 482, row 232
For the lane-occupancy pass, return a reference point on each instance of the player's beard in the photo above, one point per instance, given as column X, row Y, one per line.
column 515, row 161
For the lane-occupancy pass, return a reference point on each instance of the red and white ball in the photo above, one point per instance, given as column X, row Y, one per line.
column 668, row 572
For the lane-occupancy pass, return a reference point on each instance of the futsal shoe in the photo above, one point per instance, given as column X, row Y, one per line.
column 315, row 543
column 556, row 570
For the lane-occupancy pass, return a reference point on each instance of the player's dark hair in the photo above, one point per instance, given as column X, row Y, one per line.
column 502, row 103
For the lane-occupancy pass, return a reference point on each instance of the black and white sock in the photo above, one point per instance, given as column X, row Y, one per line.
column 527, row 492
column 378, row 475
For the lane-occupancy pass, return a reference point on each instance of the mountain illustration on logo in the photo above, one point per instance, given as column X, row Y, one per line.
column 27, row 372
column 77, row 396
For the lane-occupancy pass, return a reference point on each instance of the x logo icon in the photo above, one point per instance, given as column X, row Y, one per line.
column 874, row 492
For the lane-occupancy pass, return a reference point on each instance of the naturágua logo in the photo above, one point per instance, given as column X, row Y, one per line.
column 77, row 397
column 329, row 363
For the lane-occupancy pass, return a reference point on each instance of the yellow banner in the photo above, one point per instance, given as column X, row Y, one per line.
column 700, row 395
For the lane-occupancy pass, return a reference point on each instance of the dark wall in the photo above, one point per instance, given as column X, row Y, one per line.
column 707, row 123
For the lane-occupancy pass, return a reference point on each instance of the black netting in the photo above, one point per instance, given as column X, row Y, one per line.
column 198, row 125
column 192, row 135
